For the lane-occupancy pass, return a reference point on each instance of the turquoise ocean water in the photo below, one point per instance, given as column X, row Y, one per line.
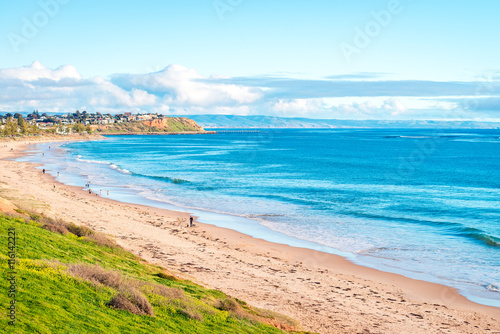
column 423, row 203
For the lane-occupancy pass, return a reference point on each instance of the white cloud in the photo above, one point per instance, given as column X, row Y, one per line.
column 220, row 110
column 352, row 107
column 395, row 107
column 298, row 107
column 106, row 94
column 175, row 89
column 63, row 89
column 179, row 90
column 37, row 71
column 374, row 108
column 186, row 87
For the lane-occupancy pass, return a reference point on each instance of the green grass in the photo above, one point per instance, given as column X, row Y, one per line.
column 50, row 299
column 173, row 125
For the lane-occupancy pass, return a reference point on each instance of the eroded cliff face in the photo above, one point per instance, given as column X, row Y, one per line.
column 158, row 126
column 174, row 124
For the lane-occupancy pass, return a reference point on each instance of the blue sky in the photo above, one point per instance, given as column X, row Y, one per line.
column 401, row 59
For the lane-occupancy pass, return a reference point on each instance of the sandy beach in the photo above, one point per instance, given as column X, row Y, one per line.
column 324, row 292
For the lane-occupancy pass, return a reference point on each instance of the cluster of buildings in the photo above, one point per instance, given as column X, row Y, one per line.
column 45, row 121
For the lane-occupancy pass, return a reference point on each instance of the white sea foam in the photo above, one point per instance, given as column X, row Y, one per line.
column 121, row 170
column 79, row 158
column 495, row 287
column 111, row 165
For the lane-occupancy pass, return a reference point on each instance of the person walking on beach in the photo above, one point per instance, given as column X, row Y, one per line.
column 43, row 171
column 191, row 221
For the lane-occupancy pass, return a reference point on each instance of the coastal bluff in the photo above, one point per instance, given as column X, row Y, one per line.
column 159, row 126
column 170, row 123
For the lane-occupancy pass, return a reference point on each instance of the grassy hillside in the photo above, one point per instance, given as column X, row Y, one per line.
column 73, row 280
column 164, row 125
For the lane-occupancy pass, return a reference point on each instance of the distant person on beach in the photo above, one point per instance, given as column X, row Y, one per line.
column 190, row 221
column 57, row 174
column 43, row 171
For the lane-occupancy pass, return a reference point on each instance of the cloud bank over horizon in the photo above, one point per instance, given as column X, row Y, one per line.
column 178, row 90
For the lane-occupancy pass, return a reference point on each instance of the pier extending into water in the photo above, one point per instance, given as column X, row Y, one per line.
column 239, row 131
